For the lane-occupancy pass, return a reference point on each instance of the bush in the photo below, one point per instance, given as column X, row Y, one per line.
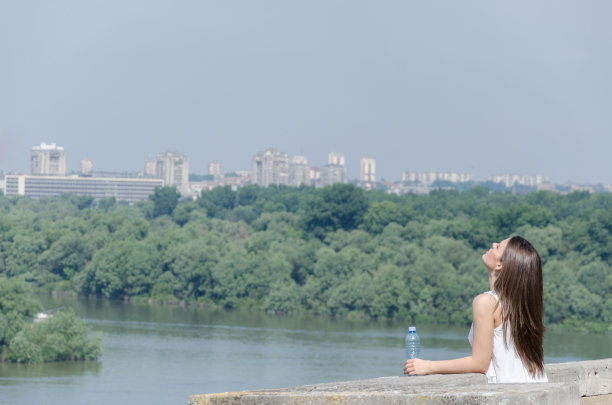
column 63, row 336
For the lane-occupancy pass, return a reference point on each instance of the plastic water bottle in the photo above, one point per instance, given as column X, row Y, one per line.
column 413, row 344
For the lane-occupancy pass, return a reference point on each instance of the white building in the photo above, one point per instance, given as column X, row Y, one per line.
column 243, row 173
column 315, row 174
column 270, row 167
column 86, row 167
column 214, row 169
column 120, row 188
column 335, row 171
column 368, row 170
column 335, row 158
column 48, row 159
column 510, row 180
column 150, row 167
column 299, row 172
column 173, row 168
column 428, row 178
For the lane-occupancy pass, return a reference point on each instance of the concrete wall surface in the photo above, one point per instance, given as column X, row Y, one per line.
column 594, row 377
column 585, row 382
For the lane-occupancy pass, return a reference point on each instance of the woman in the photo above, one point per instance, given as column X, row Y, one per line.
column 507, row 328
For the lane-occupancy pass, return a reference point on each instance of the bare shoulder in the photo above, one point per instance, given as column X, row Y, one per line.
column 484, row 301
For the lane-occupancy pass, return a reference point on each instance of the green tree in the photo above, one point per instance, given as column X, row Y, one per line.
column 61, row 337
column 67, row 255
column 341, row 206
column 182, row 212
column 381, row 214
column 122, row 269
column 218, row 201
column 165, row 200
column 596, row 277
column 284, row 298
column 17, row 308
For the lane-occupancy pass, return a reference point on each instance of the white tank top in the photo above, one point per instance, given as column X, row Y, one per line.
column 506, row 366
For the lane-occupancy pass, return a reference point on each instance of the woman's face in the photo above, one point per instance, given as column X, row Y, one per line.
column 492, row 257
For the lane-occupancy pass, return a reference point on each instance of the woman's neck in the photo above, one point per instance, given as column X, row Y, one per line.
column 492, row 278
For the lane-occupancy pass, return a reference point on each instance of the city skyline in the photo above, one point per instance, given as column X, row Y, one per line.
column 479, row 88
column 158, row 167
column 48, row 177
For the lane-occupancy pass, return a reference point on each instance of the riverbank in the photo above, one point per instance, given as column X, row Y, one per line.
column 251, row 307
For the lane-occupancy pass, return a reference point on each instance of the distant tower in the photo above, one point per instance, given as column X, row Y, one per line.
column 48, row 159
column 335, row 158
column 86, row 167
column 368, row 170
column 270, row 167
column 214, row 169
column 299, row 172
column 150, row 167
column 173, row 167
column 334, row 171
column 315, row 174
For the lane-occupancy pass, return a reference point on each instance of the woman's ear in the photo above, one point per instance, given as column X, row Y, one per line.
column 498, row 266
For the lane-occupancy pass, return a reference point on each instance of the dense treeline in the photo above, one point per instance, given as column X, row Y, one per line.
column 337, row 251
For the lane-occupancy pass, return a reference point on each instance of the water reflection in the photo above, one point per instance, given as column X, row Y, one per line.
column 12, row 373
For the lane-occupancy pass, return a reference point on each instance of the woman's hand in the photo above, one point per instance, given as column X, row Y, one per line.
column 417, row 367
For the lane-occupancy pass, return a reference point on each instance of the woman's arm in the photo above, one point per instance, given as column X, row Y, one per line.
column 483, row 308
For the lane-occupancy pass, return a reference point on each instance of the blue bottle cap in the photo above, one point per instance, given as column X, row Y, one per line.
column 412, row 329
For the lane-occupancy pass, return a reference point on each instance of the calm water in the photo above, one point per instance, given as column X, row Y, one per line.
column 161, row 355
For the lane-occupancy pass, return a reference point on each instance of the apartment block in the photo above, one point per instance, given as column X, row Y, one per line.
column 86, row 167
column 335, row 171
column 368, row 170
column 48, row 159
column 173, row 168
column 214, row 169
column 150, row 167
column 270, row 167
column 299, row 172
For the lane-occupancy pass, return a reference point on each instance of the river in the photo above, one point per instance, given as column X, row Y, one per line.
column 162, row 354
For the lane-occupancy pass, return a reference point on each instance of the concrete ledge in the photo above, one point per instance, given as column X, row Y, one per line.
column 588, row 382
column 551, row 394
column 593, row 377
column 597, row 400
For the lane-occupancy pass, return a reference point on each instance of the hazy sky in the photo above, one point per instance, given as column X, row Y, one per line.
column 483, row 87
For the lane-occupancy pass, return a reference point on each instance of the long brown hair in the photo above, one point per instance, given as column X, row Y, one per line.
column 520, row 289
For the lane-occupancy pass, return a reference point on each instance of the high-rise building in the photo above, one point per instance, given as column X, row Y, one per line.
column 335, row 158
column 334, row 171
column 173, row 167
column 150, row 167
column 332, row 174
column 299, row 172
column 48, row 159
column 368, row 170
column 86, row 167
column 270, row 167
column 315, row 174
column 214, row 169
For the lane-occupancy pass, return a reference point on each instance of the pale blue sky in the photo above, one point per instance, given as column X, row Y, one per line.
column 484, row 87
